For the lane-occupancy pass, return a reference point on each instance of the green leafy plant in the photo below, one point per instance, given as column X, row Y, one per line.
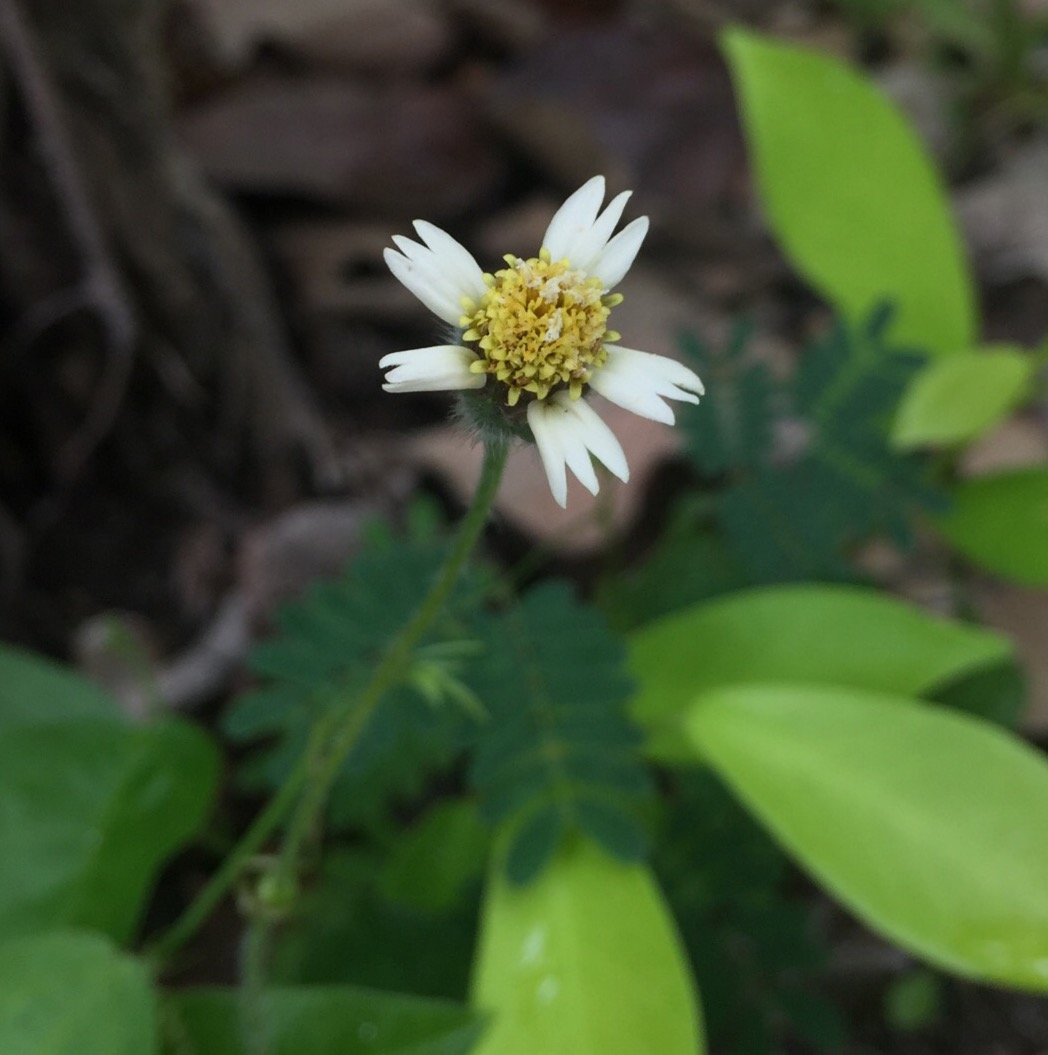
column 463, row 785
column 325, row 652
column 967, row 389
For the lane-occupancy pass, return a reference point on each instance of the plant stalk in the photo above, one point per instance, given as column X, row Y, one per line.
column 334, row 736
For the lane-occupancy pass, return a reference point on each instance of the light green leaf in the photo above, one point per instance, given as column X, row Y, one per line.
column 830, row 635
column 72, row 993
column 1000, row 522
column 320, row 1020
column 583, row 961
column 89, row 810
column 957, row 399
column 928, row 824
column 850, row 192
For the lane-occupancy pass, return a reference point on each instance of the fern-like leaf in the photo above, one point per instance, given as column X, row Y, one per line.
column 327, row 647
column 733, row 431
column 558, row 752
column 746, row 928
column 808, row 473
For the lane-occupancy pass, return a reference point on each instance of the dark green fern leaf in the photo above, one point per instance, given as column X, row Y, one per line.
column 688, row 563
column 826, row 480
column 327, row 647
column 783, row 525
column 557, row 753
column 733, row 429
column 747, row 929
column 847, row 391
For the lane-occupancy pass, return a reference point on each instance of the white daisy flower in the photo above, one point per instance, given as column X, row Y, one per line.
column 535, row 336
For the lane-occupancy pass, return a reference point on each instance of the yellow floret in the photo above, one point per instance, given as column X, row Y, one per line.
column 540, row 325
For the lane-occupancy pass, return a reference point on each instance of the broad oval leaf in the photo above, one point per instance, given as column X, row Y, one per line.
column 91, row 809
column 34, row 691
column 1000, row 522
column 584, row 961
column 830, row 635
column 321, row 1020
column 72, row 993
column 850, row 192
column 957, row 399
column 930, row 825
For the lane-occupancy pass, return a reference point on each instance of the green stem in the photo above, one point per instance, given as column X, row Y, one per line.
column 256, row 1030
column 250, row 844
column 335, row 735
column 392, row 666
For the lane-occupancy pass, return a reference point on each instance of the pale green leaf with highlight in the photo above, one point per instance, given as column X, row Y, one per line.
column 831, row 635
column 850, row 192
column 585, row 960
column 930, row 825
column 958, row 398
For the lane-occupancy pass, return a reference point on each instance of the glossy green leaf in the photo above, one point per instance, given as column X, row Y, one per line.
column 850, row 192
column 957, row 399
column 830, row 635
column 321, row 1020
column 90, row 810
column 585, row 960
column 34, row 691
column 72, row 993
column 1000, row 522
column 928, row 824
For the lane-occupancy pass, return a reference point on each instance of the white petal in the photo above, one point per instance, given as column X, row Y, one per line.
column 598, row 437
column 576, row 451
column 589, row 246
column 442, row 368
column 442, row 302
column 640, row 381
column 665, row 372
column 612, row 263
column 547, row 439
column 455, row 257
column 574, row 218
column 429, row 266
column 566, row 432
column 638, row 400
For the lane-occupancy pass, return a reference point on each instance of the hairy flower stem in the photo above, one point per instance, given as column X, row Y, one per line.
column 334, row 736
column 391, row 668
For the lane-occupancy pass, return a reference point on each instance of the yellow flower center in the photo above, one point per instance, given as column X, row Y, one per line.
column 540, row 325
